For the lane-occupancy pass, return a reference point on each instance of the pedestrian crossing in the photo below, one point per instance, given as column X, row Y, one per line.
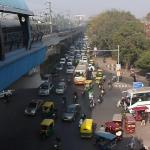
column 121, row 85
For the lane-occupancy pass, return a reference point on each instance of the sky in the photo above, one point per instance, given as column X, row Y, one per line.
column 139, row 8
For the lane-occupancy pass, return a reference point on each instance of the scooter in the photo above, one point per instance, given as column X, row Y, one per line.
column 100, row 99
column 80, row 122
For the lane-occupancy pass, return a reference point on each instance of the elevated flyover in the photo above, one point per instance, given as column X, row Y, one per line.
column 20, row 49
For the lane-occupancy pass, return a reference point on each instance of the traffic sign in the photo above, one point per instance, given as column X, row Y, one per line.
column 118, row 66
column 137, row 85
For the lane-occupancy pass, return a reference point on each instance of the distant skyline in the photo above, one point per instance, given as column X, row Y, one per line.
column 139, row 8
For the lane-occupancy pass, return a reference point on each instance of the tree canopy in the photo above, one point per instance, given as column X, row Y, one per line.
column 112, row 28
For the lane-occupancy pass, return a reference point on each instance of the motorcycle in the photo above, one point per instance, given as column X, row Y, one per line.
column 80, row 122
column 92, row 103
column 100, row 99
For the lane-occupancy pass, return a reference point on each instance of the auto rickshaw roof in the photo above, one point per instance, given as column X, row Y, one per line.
column 117, row 117
column 140, row 108
column 48, row 104
column 87, row 124
column 105, row 135
column 47, row 122
column 88, row 81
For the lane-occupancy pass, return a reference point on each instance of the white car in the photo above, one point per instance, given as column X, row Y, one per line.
column 70, row 69
column 62, row 60
column 69, row 62
column 91, row 67
column 60, row 88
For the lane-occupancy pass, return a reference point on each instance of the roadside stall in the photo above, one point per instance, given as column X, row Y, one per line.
column 86, row 129
column 118, row 120
column 130, row 123
column 113, row 128
column 137, row 112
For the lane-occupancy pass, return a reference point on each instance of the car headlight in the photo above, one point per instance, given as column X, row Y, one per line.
column 33, row 111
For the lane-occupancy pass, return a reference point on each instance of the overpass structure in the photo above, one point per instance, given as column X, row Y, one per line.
column 22, row 49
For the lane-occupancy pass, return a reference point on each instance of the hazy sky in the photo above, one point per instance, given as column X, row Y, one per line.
column 91, row 7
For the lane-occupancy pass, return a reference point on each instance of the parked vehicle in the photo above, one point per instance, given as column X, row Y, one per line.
column 47, row 128
column 6, row 93
column 137, row 97
column 63, row 61
column 59, row 67
column 33, row 107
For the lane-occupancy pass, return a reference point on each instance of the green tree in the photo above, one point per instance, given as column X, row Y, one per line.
column 144, row 61
column 113, row 28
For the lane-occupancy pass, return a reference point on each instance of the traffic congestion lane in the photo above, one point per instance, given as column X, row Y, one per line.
column 22, row 132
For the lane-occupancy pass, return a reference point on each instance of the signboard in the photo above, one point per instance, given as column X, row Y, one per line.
column 118, row 66
column 137, row 85
column 118, row 73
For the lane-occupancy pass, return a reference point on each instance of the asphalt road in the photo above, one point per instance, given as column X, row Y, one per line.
column 19, row 132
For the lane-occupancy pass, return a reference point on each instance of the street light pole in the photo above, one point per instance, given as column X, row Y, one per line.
column 118, row 55
column 50, row 16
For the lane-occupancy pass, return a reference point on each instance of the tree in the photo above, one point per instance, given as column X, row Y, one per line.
column 112, row 28
column 144, row 61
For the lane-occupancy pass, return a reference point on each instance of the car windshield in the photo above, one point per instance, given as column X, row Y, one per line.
column 60, row 86
column 71, row 109
column 44, row 87
column 32, row 105
column 70, row 67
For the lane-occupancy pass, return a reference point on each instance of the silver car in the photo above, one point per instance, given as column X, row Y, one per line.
column 45, row 89
column 70, row 69
column 71, row 112
column 33, row 107
column 60, row 88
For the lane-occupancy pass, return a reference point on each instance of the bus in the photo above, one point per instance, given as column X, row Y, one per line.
column 80, row 73
column 137, row 98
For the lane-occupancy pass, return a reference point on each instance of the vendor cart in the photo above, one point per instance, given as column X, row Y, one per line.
column 130, row 123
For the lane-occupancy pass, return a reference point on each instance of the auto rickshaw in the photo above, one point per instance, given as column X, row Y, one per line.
column 99, row 76
column 48, row 110
column 105, row 140
column 138, row 112
column 47, row 128
column 88, row 85
column 130, row 123
column 86, row 128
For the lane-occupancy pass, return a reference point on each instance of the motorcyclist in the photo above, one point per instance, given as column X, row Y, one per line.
column 82, row 118
column 109, row 84
column 100, row 98
column 102, row 92
column 57, row 144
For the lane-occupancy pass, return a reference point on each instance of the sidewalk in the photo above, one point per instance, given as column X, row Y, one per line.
column 125, row 73
column 142, row 132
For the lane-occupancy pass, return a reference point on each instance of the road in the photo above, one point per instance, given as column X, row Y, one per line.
column 22, row 132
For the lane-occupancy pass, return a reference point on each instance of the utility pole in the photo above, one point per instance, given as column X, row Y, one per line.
column 50, row 16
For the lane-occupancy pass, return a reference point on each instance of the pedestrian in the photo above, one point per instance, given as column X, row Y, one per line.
column 102, row 128
column 132, row 143
column 148, row 115
column 143, row 121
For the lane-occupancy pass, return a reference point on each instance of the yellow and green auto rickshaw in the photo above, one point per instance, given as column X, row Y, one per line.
column 88, row 85
column 99, row 76
column 47, row 128
column 49, row 110
column 86, row 128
